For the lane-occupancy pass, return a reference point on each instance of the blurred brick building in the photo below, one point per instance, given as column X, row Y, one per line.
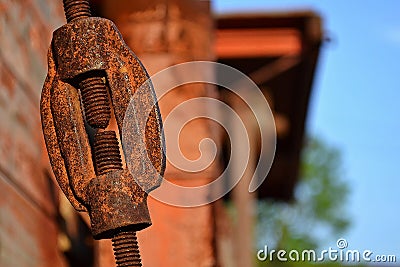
column 38, row 227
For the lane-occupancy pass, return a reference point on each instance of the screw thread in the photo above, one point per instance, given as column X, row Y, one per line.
column 106, row 147
column 126, row 250
column 106, row 152
column 95, row 102
column 76, row 9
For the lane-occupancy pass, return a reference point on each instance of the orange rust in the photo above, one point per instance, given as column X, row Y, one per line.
column 92, row 75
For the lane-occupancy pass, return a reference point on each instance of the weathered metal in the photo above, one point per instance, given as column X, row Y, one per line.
column 91, row 79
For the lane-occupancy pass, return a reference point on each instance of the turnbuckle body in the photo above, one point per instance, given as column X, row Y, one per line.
column 92, row 76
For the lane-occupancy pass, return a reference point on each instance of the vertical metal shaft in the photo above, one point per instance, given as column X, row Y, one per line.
column 96, row 106
column 107, row 158
column 126, row 250
column 76, row 9
column 95, row 101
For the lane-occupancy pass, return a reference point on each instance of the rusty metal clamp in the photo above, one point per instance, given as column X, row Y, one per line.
column 92, row 76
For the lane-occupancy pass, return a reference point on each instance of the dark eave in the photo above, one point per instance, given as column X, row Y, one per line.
column 279, row 51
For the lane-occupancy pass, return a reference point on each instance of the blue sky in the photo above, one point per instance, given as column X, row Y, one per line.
column 355, row 107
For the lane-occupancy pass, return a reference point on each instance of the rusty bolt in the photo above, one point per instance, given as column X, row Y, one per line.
column 91, row 79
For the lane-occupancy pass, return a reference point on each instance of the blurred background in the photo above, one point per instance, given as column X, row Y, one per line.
column 328, row 71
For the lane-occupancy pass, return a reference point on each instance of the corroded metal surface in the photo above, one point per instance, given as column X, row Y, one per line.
column 116, row 203
column 95, row 101
column 92, row 78
column 124, row 244
column 76, row 9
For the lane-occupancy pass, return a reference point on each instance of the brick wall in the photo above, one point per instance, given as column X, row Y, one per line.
column 28, row 229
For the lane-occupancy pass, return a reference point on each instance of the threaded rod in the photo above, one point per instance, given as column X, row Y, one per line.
column 95, row 101
column 126, row 250
column 76, row 9
column 106, row 147
column 107, row 155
